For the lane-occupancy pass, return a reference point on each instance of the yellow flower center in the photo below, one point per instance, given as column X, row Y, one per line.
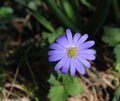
column 72, row 51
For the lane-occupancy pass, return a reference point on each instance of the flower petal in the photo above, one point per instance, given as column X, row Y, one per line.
column 60, row 63
column 56, row 57
column 76, row 38
column 82, row 39
column 87, row 44
column 88, row 56
column 69, row 36
column 56, row 46
column 65, row 67
column 72, row 67
column 87, row 51
column 62, row 40
column 56, row 52
column 84, row 62
column 79, row 67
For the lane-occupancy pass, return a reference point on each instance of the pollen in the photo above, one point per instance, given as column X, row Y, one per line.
column 72, row 51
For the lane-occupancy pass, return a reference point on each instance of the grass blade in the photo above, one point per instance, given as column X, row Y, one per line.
column 42, row 20
column 99, row 16
column 61, row 15
column 39, row 17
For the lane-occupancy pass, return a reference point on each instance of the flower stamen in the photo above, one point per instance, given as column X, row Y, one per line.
column 72, row 51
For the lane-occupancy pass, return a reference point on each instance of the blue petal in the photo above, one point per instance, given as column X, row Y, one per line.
column 82, row 39
column 69, row 36
column 88, row 56
column 62, row 40
column 65, row 67
column 56, row 46
column 56, row 52
column 84, row 62
column 60, row 63
column 56, row 57
column 87, row 44
column 72, row 67
column 76, row 38
column 87, row 51
column 79, row 66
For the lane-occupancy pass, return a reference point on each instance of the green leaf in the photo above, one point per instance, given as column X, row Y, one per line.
column 111, row 35
column 5, row 11
column 72, row 85
column 52, row 36
column 63, row 86
column 117, row 57
column 49, row 36
column 57, row 93
column 117, row 95
column 53, row 81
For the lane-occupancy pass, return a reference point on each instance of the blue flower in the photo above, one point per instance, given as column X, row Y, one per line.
column 72, row 53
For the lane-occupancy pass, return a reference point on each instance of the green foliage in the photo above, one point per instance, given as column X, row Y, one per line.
column 53, row 81
column 5, row 12
column 64, row 86
column 66, row 19
column 72, row 85
column 57, row 93
column 117, row 52
column 68, row 11
column 117, row 56
column 71, row 16
column 116, row 95
column 52, row 36
column 111, row 35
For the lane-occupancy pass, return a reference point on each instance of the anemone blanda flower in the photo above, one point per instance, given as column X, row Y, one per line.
column 72, row 53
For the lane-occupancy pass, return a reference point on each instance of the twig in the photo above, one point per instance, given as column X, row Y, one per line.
column 12, row 86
